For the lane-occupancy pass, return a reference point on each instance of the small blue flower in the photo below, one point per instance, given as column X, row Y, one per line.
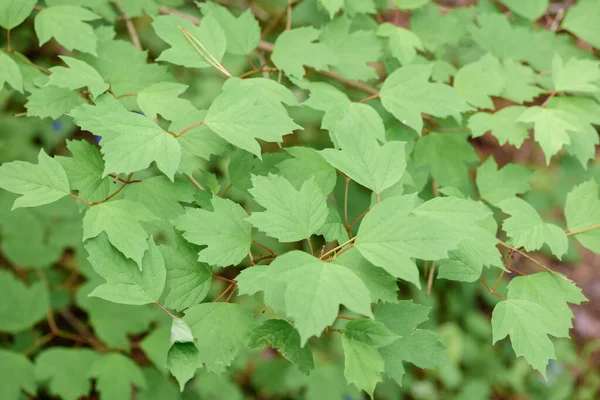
column 97, row 139
column 57, row 126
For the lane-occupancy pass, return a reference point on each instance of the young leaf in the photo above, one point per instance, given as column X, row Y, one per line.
column 476, row 81
column 78, row 75
column 502, row 124
column 582, row 212
column 115, row 374
column 402, row 42
column 363, row 364
column 17, row 375
column 65, row 24
column 10, row 73
column 14, row 12
column 21, row 307
column 242, row 33
column 41, row 183
column 241, row 115
column 66, row 371
column 526, row 229
column 220, row 330
column 185, row 52
column 576, row 75
column 120, row 219
column 363, row 159
column 406, row 93
column 290, row 214
column 183, row 360
column 125, row 282
column 280, row 335
column 52, row 102
column 295, row 48
column 224, row 231
column 496, row 185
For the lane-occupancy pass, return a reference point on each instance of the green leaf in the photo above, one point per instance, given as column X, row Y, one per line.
column 17, row 374
column 66, row 371
column 582, row 211
column 158, row 386
column 496, row 185
column 519, row 82
column 503, row 124
column 402, row 42
column 66, row 24
column 41, row 183
column 308, row 163
column 52, row 102
column 182, row 51
column 526, row 229
column 410, row 4
column 363, row 364
column 241, row 115
column 575, row 75
column 84, row 170
column 280, row 335
column 295, row 48
column 156, row 346
column 406, row 93
column 183, row 360
column 551, row 128
column 125, row 282
column 329, row 99
column 583, row 20
column 163, row 98
column 476, row 81
column 242, row 33
column 369, row 332
column 332, row 6
column 115, row 374
column 21, row 307
column 188, row 281
column 14, row 12
column 269, row 89
column 135, row 8
column 220, row 329
column 224, row 231
column 417, row 346
column 531, row 9
column 312, row 290
column 130, row 141
column 447, row 156
column 362, row 158
column 10, row 73
column 78, row 75
column 290, row 214
column 353, row 50
column 120, row 220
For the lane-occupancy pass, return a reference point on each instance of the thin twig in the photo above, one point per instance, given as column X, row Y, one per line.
column 257, row 71
column 8, row 41
column 197, row 124
column 498, row 280
column 359, row 217
column 165, row 310
column 577, row 232
column 490, row 289
column 347, row 318
column 527, row 256
column 227, row 189
column 126, row 95
column 338, row 247
column 310, row 246
column 131, row 30
column 371, row 97
column 430, row 278
column 194, row 182
column 265, row 247
column 204, row 53
column 545, row 103
column 346, row 224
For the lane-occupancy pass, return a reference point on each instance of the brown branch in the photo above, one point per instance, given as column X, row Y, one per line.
column 197, row 124
column 527, row 256
column 545, row 103
column 490, row 289
column 265, row 247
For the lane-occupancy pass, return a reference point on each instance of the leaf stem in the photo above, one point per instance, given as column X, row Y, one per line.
column 265, row 247
column 346, row 224
column 257, row 71
column 552, row 94
column 346, row 318
column 204, row 53
column 490, row 289
column 131, row 29
column 338, row 247
column 310, row 246
column 359, row 217
column 371, row 97
column 8, row 41
column 589, row 228
column 527, row 256
column 227, row 189
column 165, row 310
column 126, row 95
column 194, row 182
column 430, row 278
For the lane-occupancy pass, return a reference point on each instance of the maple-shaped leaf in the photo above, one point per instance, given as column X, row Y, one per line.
column 333, row 228
column 158, row 386
column 526, row 229
column 21, row 307
column 115, row 376
column 551, row 128
column 312, row 290
column 242, row 33
column 85, row 169
column 519, row 82
column 78, row 75
column 269, row 89
column 120, row 219
column 18, row 375
column 224, row 230
column 66, row 24
column 66, row 370
column 582, row 212
column 403, row 43
column 14, row 12
column 41, row 183
column 417, row 346
column 296, row 47
column 240, row 115
column 329, row 99
column 125, row 282
column 308, row 163
column 363, row 363
column 220, row 329
column 163, row 98
column 531, row 9
column 130, row 141
column 184, row 51
column 407, row 93
column 502, row 124
column 52, row 102
column 363, row 159
column 331, row 6
column 10, row 73
column 446, row 156
column 495, row 184
column 136, row 8
column 353, row 50
column 476, row 81
column 354, row 7
column 576, row 75
column 183, row 359
column 583, row 20
column 585, row 108
column 280, row 335
column 290, row 214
